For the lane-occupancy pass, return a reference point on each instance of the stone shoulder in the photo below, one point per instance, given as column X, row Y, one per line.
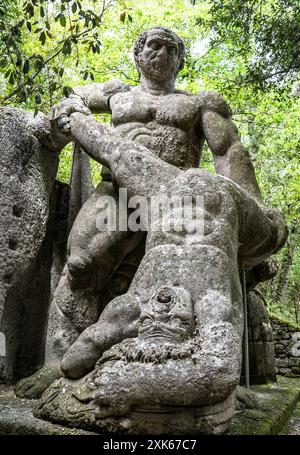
column 114, row 86
column 210, row 100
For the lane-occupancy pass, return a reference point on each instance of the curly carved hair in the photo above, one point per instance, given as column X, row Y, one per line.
column 140, row 42
column 148, row 351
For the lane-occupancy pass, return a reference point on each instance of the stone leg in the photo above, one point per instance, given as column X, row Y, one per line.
column 148, row 377
column 100, row 266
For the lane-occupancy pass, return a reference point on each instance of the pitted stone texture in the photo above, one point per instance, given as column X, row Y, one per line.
column 187, row 284
column 287, row 347
column 170, row 124
column 76, row 408
column 193, row 358
column 261, row 342
column 27, row 170
column 16, row 418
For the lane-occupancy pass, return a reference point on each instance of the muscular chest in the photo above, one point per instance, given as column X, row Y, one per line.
column 176, row 110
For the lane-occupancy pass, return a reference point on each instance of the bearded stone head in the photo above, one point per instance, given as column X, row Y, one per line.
column 159, row 53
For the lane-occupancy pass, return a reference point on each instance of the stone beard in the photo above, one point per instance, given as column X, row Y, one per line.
column 166, row 326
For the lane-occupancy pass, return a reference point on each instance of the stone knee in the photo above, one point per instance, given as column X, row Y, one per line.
column 118, row 321
column 82, row 355
column 80, row 271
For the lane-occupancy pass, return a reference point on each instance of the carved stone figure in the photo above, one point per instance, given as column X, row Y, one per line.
column 168, row 123
column 172, row 343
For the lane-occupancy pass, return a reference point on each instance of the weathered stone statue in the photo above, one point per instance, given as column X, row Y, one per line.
column 156, row 139
column 172, row 343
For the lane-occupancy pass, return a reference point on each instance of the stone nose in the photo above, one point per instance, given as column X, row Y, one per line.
column 156, row 325
column 162, row 51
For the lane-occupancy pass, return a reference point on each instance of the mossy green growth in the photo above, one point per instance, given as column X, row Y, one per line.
column 281, row 320
column 293, row 424
column 276, row 403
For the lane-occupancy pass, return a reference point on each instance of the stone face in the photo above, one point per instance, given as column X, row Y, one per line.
column 27, row 170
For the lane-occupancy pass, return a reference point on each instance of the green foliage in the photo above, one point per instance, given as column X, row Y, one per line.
column 38, row 39
column 234, row 47
column 266, row 33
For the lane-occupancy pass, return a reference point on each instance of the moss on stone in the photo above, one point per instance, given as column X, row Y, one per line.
column 281, row 321
column 276, row 403
column 16, row 418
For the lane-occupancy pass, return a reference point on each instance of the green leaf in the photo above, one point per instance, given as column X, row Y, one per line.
column 67, row 90
column 38, row 98
column 43, row 37
column 30, row 10
column 62, row 20
column 38, row 64
column 11, row 78
column 19, row 61
column 26, row 66
column 23, row 95
column 3, row 62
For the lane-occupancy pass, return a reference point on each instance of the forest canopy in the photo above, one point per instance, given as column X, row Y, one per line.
column 246, row 50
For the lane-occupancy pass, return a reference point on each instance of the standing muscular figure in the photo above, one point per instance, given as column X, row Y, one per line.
column 173, row 125
column 174, row 338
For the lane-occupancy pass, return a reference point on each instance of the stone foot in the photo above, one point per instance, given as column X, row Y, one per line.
column 34, row 386
column 245, row 398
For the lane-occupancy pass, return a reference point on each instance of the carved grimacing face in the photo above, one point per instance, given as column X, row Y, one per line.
column 159, row 58
column 167, row 315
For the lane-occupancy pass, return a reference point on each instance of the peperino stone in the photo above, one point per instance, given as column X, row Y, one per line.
column 28, row 166
column 172, row 343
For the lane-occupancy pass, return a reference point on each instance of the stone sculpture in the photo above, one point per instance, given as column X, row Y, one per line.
column 171, row 344
column 171, row 124
column 28, row 165
column 147, row 326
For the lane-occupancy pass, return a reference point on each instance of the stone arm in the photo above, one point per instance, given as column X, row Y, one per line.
column 87, row 99
column 96, row 96
column 134, row 167
column 231, row 158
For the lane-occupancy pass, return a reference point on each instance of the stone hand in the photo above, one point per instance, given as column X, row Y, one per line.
column 61, row 113
column 63, row 123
